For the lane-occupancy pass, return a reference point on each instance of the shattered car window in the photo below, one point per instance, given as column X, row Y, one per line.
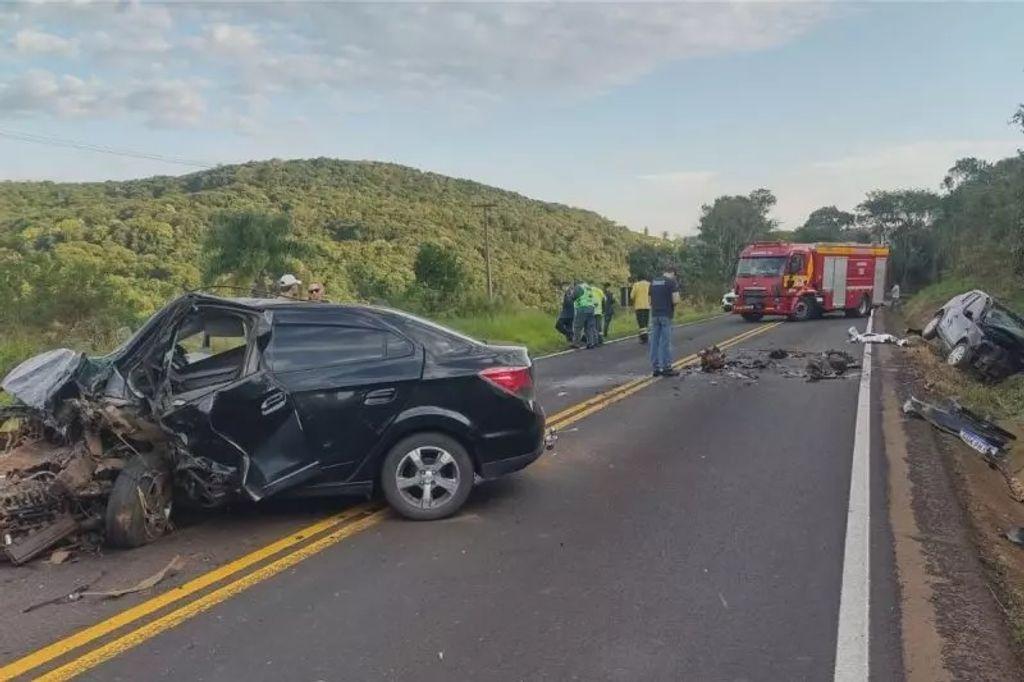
column 999, row 316
column 760, row 267
column 209, row 350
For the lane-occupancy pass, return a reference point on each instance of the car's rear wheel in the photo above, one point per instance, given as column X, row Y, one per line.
column 427, row 476
column 752, row 317
column 960, row 356
column 139, row 507
column 931, row 330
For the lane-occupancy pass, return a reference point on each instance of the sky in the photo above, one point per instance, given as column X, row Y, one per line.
column 642, row 112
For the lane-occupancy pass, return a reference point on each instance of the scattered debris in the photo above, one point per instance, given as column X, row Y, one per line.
column 978, row 432
column 712, row 359
column 59, row 556
column 82, row 591
column 832, row 364
column 1015, row 535
column 174, row 566
column 778, row 354
column 857, row 337
column 74, row 595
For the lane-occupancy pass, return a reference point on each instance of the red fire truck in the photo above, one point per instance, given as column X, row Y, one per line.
column 802, row 281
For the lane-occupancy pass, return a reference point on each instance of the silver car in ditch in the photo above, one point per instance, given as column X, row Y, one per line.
column 979, row 333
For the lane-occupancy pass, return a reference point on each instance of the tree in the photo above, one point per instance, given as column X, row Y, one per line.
column 250, row 248
column 827, row 224
column 904, row 220
column 964, row 170
column 438, row 269
column 650, row 259
column 1018, row 117
column 729, row 224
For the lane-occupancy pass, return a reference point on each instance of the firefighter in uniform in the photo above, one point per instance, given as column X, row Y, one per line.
column 640, row 298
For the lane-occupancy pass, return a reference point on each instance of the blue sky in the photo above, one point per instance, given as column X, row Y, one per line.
column 639, row 111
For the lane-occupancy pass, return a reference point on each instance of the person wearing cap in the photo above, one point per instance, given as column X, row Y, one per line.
column 288, row 287
column 316, row 293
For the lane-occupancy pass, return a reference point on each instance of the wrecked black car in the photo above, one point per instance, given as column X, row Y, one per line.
column 216, row 398
column 979, row 333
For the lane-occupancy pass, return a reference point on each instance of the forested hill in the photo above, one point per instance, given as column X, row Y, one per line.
column 71, row 251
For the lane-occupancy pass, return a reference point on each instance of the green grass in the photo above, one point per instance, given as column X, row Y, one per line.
column 535, row 329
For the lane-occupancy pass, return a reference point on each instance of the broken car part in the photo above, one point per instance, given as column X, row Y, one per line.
column 980, row 334
column 979, row 433
column 857, row 337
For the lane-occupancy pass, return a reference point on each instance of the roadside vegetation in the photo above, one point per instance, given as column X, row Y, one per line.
column 535, row 328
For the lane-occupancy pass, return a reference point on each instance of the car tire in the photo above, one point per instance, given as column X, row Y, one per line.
column 412, row 492
column 752, row 317
column 960, row 356
column 140, row 503
column 803, row 310
column 931, row 330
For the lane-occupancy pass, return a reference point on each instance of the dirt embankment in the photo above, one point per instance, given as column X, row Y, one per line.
column 961, row 507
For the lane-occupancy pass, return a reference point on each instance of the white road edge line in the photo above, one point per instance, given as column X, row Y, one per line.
column 853, row 638
column 626, row 338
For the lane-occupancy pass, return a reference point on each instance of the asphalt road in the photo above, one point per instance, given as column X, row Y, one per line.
column 694, row 530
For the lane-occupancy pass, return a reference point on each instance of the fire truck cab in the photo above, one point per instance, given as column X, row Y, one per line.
column 802, row 281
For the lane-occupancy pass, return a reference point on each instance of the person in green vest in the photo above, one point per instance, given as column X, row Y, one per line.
column 598, row 294
column 583, row 320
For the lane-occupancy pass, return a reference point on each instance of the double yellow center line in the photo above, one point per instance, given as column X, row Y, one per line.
column 201, row 593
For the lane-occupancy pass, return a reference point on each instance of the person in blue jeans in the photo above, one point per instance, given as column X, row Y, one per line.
column 664, row 297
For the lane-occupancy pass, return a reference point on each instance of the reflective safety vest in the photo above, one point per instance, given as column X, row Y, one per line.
column 585, row 298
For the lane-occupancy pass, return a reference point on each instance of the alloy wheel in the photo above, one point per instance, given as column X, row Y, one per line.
column 427, row 477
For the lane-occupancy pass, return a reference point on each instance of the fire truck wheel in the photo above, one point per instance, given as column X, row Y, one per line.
column 752, row 317
column 803, row 310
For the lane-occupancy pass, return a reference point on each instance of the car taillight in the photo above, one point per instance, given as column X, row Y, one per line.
column 515, row 380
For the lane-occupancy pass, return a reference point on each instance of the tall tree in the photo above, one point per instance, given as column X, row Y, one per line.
column 904, row 220
column 827, row 224
column 729, row 224
column 250, row 248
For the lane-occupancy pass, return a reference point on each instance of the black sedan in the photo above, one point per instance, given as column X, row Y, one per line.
column 218, row 397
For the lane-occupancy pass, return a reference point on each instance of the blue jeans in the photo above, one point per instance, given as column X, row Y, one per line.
column 661, row 342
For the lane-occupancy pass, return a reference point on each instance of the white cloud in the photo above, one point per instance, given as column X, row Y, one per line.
column 39, row 90
column 30, row 41
column 227, row 39
column 171, row 103
column 678, row 179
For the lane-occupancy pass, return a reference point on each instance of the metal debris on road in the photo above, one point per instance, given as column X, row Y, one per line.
column 1015, row 535
column 857, row 337
column 82, row 591
column 712, row 359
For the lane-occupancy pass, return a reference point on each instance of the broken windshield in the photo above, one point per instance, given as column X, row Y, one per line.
column 761, row 267
column 1000, row 317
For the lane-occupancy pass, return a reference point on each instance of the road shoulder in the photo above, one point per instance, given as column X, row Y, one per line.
column 952, row 626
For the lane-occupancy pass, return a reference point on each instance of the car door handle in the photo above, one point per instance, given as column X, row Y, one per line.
column 381, row 396
column 272, row 403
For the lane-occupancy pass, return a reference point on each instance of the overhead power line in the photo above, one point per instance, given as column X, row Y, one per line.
column 99, row 148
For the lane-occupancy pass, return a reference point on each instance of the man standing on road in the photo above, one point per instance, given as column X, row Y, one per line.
column 664, row 295
column 564, row 322
column 609, row 308
column 583, row 317
column 316, row 293
column 894, row 295
column 640, row 298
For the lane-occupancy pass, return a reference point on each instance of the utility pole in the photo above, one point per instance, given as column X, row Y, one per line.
column 487, row 246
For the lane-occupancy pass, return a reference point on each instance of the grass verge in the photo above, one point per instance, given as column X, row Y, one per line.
column 535, row 329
